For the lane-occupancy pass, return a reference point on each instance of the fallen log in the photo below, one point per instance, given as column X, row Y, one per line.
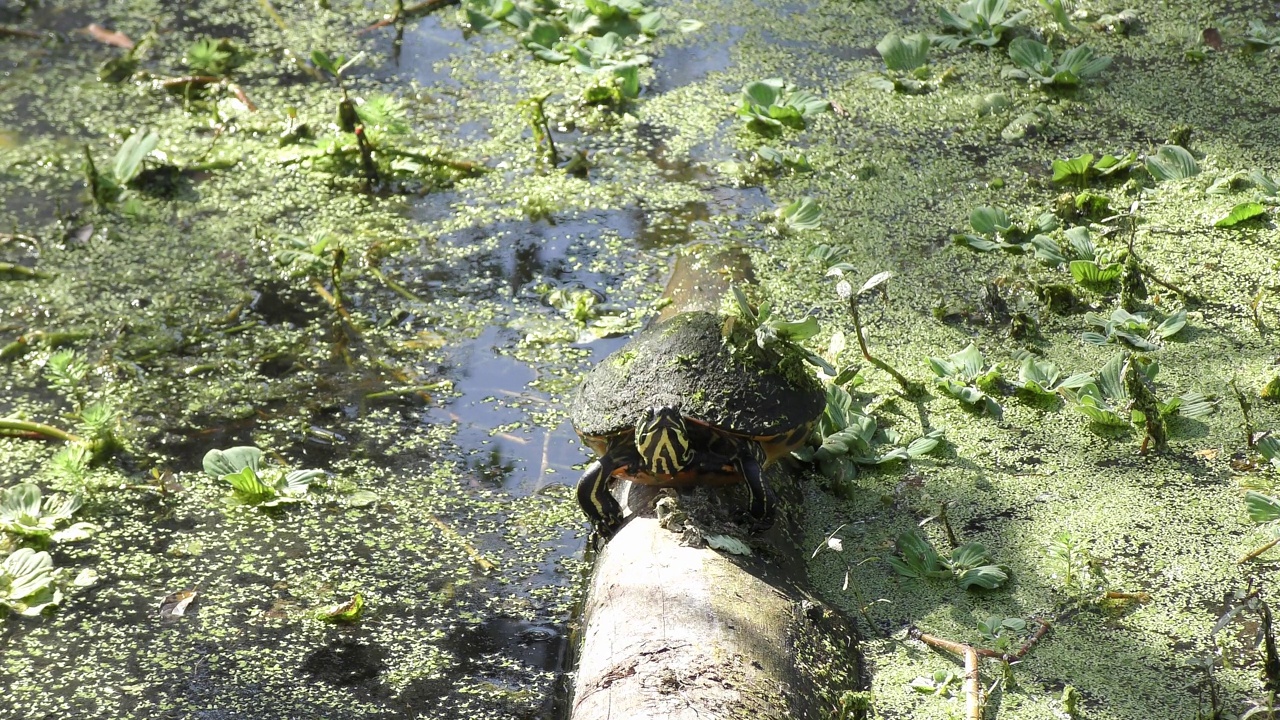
column 676, row 630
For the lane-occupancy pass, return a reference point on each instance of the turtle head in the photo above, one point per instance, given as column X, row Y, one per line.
column 662, row 437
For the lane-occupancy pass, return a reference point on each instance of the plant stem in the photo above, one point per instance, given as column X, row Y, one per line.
column 909, row 387
column 10, row 426
column 396, row 287
column 1257, row 551
column 23, row 270
column 1240, row 398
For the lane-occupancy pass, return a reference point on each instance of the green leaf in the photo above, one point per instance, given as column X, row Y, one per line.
column 1172, row 162
column 1262, row 508
column 232, row 460
column 1030, row 55
column 1240, row 213
column 20, row 500
column 1269, row 447
column 128, row 160
column 321, row 59
column 904, row 54
column 1172, row 324
column 969, row 555
column 987, row 577
column 802, row 214
column 345, row 612
column 989, row 220
column 925, row 444
column 246, row 482
column 1075, row 169
column 1088, row 271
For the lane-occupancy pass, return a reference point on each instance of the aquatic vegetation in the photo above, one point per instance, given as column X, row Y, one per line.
column 964, row 375
column 1035, row 62
column 976, row 22
column 1060, row 10
column 970, row 564
column 1260, row 37
column 1088, row 264
column 28, row 582
column 1080, row 169
column 769, row 105
column 994, row 230
column 1132, row 329
column 253, row 482
column 113, row 186
column 906, row 65
column 25, row 514
column 1172, row 162
column 843, row 439
column 800, row 215
column 1043, row 378
column 1240, row 213
column 219, row 58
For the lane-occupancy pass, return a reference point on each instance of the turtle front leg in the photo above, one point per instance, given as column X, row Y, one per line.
column 596, row 500
column 750, row 463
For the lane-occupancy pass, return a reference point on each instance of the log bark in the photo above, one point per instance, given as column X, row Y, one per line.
column 675, row 631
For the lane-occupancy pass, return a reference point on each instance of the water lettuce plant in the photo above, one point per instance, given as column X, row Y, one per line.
column 1172, row 162
column 994, row 230
column 976, row 22
column 1132, row 329
column 969, row 564
column 1043, row 378
column 963, row 376
column 1081, row 168
column 24, row 513
column 1240, row 213
column 906, row 61
column 844, row 436
column 769, row 105
column 802, row 214
column 1088, row 265
column 1035, row 63
column 28, row 582
column 256, row 484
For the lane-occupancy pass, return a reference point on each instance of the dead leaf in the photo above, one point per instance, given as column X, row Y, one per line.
column 175, row 606
column 1212, row 38
column 108, row 37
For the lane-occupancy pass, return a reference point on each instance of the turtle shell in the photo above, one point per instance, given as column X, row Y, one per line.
column 710, row 368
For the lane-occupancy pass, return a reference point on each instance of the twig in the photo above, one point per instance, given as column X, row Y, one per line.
column 6, row 31
column 1117, row 595
column 946, row 525
column 409, row 13
column 484, row 563
column 275, row 16
column 460, row 165
column 396, row 287
column 972, row 687
column 1257, row 551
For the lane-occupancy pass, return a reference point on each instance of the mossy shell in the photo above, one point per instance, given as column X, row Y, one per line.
column 711, row 369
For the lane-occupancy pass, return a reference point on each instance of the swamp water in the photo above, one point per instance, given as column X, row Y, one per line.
column 426, row 367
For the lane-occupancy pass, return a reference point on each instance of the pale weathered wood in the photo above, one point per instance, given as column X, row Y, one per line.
column 675, row 632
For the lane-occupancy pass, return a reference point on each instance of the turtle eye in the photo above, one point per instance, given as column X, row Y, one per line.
column 663, row 441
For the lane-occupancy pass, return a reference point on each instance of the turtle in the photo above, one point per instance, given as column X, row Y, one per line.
column 692, row 400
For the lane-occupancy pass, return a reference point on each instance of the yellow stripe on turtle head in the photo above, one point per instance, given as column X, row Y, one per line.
column 662, row 438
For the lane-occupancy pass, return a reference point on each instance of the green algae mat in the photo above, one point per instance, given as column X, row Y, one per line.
column 381, row 242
